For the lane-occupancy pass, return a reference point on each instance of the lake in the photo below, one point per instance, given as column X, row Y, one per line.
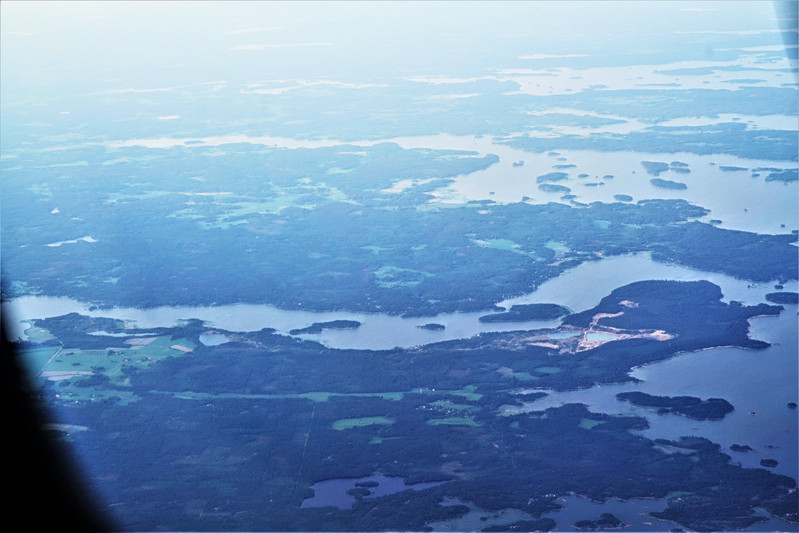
column 333, row 492
column 738, row 200
column 595, row 279
column 721, row 372
column 718, row 373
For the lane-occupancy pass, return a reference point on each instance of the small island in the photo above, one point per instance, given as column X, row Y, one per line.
column 783, row 297
column 690, row 406
column 623, row 197
column 432, row 327
column 523, row 313
column 540, row 524
column 552, row 176
column 769, row 463
column 668, row 184
column 359, row 492
column 679, row 167
column 741, row 448
column 551, row 187
column 654, row 168
column 605, row 521
column 790, row 174
column 318, row 327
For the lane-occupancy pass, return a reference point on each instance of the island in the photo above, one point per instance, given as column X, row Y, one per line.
column 542, row 524
column 552, row 176
column 769, row 463
column 690, row 406
column 654, row 168
column 741, row 448
column 318, row 327
column 606, row 521
column 783, row 297
column 526, row 312
column 432, row 326
column 551, row 187
column 359, row 492
column 623, row 197
column 790, row 174
column 668, row 184
column 679, row 167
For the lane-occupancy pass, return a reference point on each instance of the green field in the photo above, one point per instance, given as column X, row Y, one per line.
column 349, row 423
column 453, row 421
column 98, row 374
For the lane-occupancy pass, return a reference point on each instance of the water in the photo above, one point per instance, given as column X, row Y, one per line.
column 333, row 492
column 377, row 331
column 718, row 373
column 721, row 372
column 213, row 339
column 635, row 513
column 738, row 200
column 595, row 279
column 599, row 337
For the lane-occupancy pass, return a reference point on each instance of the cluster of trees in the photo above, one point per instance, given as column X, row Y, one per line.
column 690, row 406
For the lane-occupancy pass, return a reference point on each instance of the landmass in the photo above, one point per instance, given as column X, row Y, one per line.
column 551, row 187
column 356, row 263
column 783, row 297
column 264, row 205
column 668, row 184
column 768, row 463
column 525, row 312
column 542, row 524
column 606, row 521
column 690, row 406
column 786, row 175
column 679, row 167
column 432, row 326
column 318, row 327
column 741, row 448
column 285, row 413
column 552, row 176
column 654, row 167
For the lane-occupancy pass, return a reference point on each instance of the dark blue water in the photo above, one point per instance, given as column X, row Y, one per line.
column 333, row 492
